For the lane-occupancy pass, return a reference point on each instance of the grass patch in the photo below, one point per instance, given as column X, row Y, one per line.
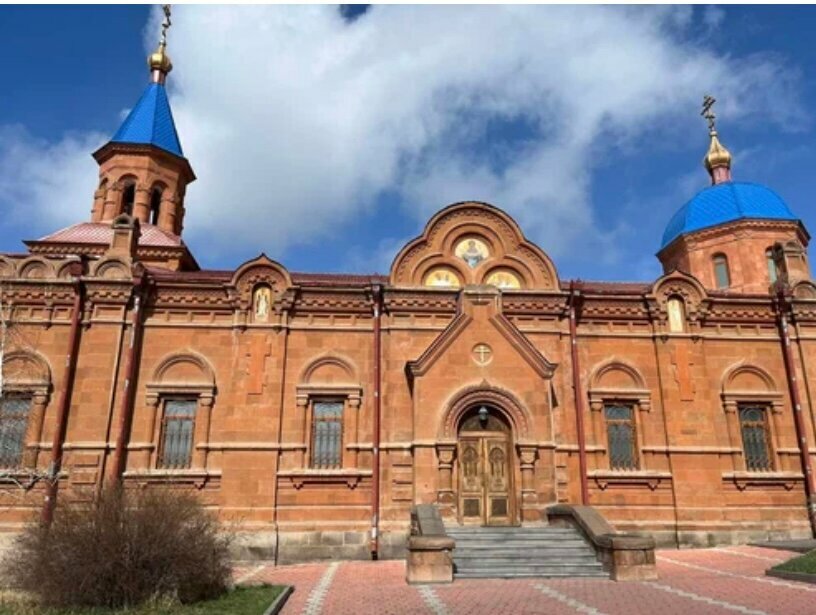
column 241, row 601
column 805, row 564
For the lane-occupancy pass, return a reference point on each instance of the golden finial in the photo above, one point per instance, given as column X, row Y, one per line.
column 718, row 159
column 158, row 61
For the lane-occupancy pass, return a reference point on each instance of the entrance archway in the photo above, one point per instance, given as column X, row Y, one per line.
column 485, row 477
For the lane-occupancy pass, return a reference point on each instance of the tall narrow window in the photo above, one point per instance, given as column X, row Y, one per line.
column 128, row 197
column 721, row 273
column 754, row 426
column 155, row 204
column 327, row 434
column 178, row 427
column 620, row 429
column 14, row 412
column 771, row 265
column 676, row 310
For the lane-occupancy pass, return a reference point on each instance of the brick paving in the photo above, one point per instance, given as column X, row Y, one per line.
column 724, row 580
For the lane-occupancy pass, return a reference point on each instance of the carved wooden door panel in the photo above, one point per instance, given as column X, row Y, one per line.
column 471, row 481
column 497, row 503
column 485, row 476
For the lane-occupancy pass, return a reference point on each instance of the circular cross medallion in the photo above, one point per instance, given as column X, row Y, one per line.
column 482, row 354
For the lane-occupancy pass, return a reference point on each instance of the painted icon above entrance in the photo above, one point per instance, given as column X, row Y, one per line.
column 472, row 250
column 442, row 277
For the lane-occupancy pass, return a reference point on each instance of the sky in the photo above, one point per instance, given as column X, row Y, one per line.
column 326, row 137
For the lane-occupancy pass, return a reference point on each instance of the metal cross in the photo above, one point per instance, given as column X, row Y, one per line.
column 166, row 23
column 708, row 112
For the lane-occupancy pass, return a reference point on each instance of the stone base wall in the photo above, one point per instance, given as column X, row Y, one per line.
column 300, row 547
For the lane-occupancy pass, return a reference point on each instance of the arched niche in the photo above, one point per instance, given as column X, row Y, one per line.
column 26, row 370
column 473, row 239
column 112, row 269
column 678, row 285
column 258, row 273
column 36, row 268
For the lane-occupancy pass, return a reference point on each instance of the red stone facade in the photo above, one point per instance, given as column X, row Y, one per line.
column 472, row 315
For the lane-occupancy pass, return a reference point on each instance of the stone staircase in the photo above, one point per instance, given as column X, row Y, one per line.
column 509, row 552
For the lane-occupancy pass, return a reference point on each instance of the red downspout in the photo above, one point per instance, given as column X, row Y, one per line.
column 126, row 409
column 375, row 469
column 52, row 484
column 801, row 437
column 576, row 387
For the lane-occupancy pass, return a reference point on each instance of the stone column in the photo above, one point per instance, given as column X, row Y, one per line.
column 734, row 433
column 167, row 213
column 149, row 456
column 446, row 498
column 98, row 204
column 112, row 200
column 529, row 499
column 202, row 432
column 141, row 205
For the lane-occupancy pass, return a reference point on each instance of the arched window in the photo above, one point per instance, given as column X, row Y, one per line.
column 769, row 258
column 721, row 274
column 676, row 309
column 155, row 204
column 128, row 197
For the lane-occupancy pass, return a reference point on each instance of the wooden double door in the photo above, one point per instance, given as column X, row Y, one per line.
column 485, row 478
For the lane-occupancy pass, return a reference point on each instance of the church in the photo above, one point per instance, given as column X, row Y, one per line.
column 312, row 411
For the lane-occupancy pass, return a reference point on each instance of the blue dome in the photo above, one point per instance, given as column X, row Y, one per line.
column 723, row 203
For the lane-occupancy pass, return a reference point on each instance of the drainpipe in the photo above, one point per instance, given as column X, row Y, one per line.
column 375, row 469
column 574, row 298
column 783, row 306
column 126, row 409
column 52, row 484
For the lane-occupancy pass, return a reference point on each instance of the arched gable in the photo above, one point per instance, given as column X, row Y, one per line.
column 743, row 378
column 480, row 244
column 684, row 286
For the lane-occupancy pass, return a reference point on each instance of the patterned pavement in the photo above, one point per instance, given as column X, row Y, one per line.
column 717, row 581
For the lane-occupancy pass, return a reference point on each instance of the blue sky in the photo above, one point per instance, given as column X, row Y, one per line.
column 327, row 143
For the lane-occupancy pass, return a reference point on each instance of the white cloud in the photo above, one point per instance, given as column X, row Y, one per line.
column 295, row 121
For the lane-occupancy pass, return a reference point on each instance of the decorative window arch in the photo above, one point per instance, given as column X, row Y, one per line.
column 181, row 395
column 329, row 395
column 722, row 273
column 753, row 406
column 26, row 387
column 617, row 395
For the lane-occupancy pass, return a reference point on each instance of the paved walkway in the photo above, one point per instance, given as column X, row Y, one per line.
column 723, row 580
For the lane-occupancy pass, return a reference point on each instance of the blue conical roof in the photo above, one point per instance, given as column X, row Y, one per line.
column 726, row 202
column 150, row 122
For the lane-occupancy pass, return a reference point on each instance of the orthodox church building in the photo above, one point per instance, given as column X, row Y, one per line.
column 315, row 409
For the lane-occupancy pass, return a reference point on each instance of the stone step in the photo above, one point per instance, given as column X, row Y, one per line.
column 549, row 574
column 527, row 556
column 522, row 543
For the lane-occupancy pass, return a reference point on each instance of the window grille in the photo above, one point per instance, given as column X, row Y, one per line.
column 327, row 434
column 620, row 429
column 14, row 411
column 754, row 426
column 178, row 426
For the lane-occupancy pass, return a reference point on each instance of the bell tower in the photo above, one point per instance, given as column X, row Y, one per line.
column 142, row 169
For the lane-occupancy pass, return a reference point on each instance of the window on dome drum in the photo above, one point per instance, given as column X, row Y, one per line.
column 721, row 273
column 620, row 430
column 128, row 197
column 327, row 434
column 771, row 265
column 178, row 427
column 14, row 411
column 155, row 204
column 676, row 310
column 755, row 441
